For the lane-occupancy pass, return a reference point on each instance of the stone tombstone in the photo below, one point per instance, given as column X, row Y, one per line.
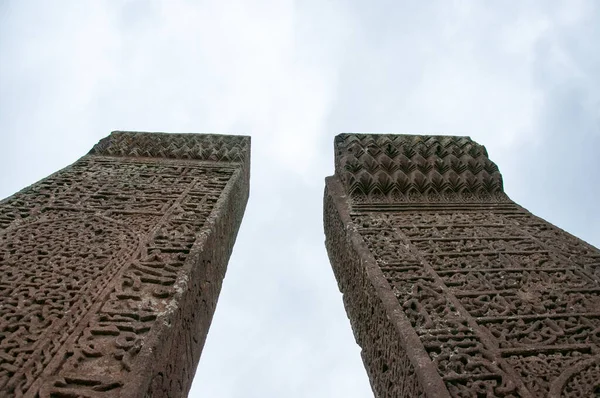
column 453, row 289
column 111, row 267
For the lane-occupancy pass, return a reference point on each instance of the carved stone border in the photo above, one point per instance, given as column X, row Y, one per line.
column 361, row 281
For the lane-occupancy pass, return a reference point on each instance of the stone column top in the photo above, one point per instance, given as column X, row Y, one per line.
column 203, row 147
column 112, row 267
column 400, row 168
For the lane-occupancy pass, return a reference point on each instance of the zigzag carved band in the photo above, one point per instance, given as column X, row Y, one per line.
column 209, row 147
column 399, row 168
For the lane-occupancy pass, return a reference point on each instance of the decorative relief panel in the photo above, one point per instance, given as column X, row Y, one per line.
column 96, row 264
column 399, row 168
column 503, row 303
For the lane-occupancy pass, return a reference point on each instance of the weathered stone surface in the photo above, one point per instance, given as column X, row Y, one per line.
column 111, row 268
column 452, row 289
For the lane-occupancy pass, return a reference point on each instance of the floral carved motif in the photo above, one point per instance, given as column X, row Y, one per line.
column 488, row 299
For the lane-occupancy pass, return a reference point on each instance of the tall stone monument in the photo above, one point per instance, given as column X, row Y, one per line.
column 111, row 268
column 453, row 289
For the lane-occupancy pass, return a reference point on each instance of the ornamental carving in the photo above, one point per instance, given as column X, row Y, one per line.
column 400, row 168
column 477, row 296
column 111, row 267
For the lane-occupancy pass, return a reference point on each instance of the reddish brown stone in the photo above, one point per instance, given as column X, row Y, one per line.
column 111, row 268
column 452, row 289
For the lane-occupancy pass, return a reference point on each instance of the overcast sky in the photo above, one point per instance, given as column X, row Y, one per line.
column 520, row 77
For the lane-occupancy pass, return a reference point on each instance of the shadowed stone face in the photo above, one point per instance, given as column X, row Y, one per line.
column 452, row 289
column 111, row 268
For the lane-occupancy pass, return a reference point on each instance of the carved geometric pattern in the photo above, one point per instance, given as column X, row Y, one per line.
column 213, row 147
column 111, row 269
column 498, row 302
column 399, row 168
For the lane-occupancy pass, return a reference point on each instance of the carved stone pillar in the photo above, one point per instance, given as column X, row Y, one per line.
column 111, row 268
column 453, row 289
